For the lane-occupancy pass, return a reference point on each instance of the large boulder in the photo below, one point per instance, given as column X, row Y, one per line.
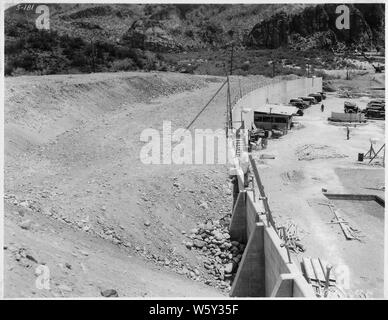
column 152, row 35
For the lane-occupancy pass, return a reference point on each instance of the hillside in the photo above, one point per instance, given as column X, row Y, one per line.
column 190, row 25
column 87, row 38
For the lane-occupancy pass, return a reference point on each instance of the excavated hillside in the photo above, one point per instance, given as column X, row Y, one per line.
column 79, row 200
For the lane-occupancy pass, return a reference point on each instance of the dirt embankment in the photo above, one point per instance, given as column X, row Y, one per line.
column 74, row 180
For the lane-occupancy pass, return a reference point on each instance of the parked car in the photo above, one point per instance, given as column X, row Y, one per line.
column 323, row 95
column 316, row 96
column 375, row 109
column 374, row 113
column 350, row 107
column 376, row 106
column 376, row 102
column 299, row 103
column 309, row 100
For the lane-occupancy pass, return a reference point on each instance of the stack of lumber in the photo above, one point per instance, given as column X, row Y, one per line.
column 319, row 274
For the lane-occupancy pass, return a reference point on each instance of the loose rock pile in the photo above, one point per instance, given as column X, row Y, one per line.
column 220, row 255
column 317, row 151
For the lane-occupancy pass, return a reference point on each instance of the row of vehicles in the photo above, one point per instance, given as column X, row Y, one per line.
column 375, row 109
column 305, row 102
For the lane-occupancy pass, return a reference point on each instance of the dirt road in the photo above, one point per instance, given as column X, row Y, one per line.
column 316, row 155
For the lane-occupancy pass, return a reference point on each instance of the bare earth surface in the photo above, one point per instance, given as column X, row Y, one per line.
column 78, row 198
column 316, row 155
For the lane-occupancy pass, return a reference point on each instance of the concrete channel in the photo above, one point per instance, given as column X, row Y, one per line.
column 266, row 269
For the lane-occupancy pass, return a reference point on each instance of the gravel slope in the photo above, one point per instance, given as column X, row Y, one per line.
column 72, row 167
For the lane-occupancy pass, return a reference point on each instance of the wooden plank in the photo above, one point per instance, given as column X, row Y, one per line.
column 257, row 176
column 343, row 225
column 308, row 269
column 323, row 265
column 347, row 231
column 261, row 190
column 318, row 270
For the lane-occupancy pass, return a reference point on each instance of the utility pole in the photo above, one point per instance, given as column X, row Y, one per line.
column 239, row 85
column 93, row 62
column 229, row 103
column 227, row 113
column 231, row 59
column 273, row 68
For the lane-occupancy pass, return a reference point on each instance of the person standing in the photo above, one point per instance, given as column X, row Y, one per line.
column 322, row 108
column 264, row 143
column 347, row 132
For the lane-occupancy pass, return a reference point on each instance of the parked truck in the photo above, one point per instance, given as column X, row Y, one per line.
column 375, row 109
column 351, row 107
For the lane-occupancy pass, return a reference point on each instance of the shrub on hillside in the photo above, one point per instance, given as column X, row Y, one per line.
column 8, row 68
column 123, row 65
column 19, row 72
column 211, row 32
column 26, row 61
column 13, row 47
column 42, row 40
column 189, row 33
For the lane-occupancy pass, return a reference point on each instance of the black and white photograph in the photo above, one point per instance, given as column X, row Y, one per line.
column 193, row 150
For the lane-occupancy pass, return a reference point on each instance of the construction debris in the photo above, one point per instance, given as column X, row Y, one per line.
column 267, row 156
column 381, row 188
column 351, row 233
column 290, row 235
column 317, row 151
column 319, row 274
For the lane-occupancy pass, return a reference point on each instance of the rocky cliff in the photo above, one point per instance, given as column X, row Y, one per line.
column 315, row 27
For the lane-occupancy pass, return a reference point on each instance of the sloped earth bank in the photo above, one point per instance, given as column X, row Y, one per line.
column 79, row 200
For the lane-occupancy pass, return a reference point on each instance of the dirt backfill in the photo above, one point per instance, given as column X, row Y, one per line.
column 72, row 146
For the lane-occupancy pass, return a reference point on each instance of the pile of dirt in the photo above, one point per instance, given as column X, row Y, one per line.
column 317, row 151
column 293, row 176
column 327, row 86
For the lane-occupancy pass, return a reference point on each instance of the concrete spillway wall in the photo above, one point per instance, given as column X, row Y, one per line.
column 266, row 269
column 276, row 93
